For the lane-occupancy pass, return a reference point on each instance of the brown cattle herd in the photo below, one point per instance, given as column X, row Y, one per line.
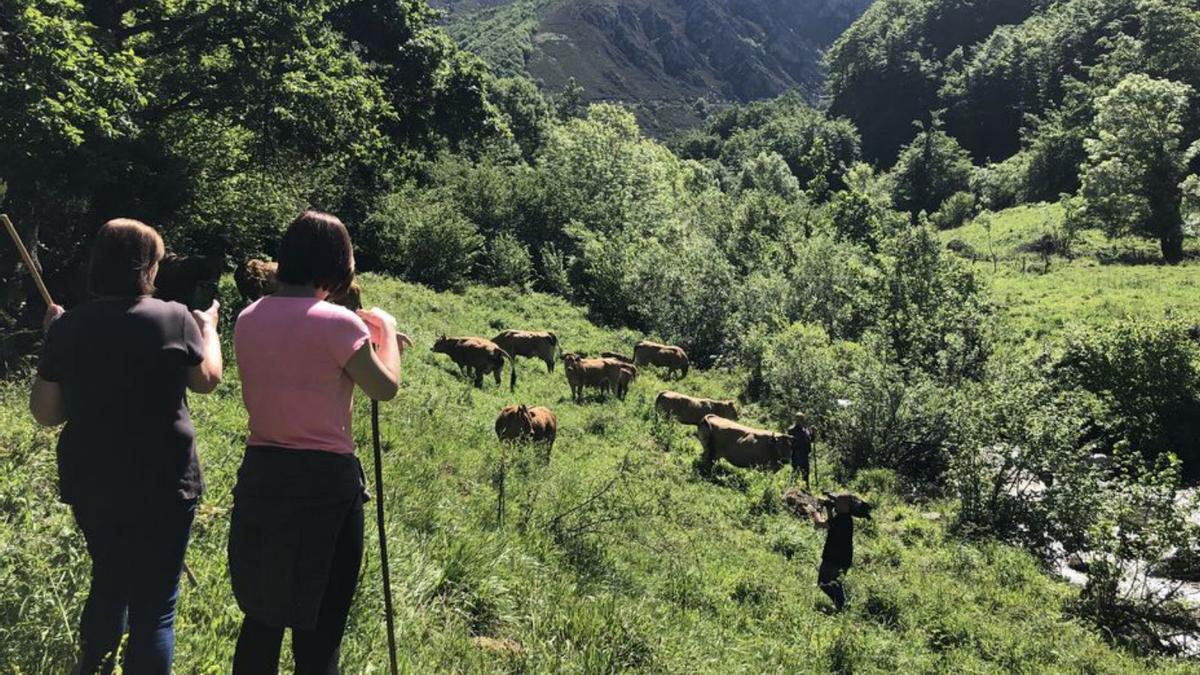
column 193, row 281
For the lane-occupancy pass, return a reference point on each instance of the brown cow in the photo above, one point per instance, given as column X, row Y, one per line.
column 539, row 345
column 191, row 280
column 525, row 424
column 666, row 356
column 742, row 446
column 256, row 278
column 598, row 373
column 477, row 357
column 691, row 410
column 629, row 373
column 617, row 357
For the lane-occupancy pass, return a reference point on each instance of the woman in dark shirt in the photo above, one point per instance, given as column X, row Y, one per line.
column 116, row 370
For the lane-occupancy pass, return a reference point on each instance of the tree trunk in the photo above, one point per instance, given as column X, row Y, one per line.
column 1172, row 246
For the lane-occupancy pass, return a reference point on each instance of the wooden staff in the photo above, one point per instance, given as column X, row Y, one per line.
column 28, row 259
column 383, row 551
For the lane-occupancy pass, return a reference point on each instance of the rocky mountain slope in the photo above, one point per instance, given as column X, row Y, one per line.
column 661, row 55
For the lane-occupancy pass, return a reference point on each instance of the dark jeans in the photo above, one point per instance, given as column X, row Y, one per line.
column 315, row 651
column 829, row 579
column 136, row 562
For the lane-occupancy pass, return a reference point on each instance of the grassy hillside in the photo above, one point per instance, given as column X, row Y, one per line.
column 1102, row 280
column 615, row 555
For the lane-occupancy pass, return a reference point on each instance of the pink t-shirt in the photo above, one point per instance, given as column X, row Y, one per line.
column 291, row 353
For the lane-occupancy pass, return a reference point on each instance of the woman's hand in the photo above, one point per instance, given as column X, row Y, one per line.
column 204, row 377
column 208, row 318
column 53, row 313
column 381, row 324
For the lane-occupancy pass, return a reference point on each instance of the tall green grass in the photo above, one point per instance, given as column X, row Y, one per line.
column 1103, row 280
column 615, row 555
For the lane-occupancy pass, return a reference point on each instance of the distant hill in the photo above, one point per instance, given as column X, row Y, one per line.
column 663, row 56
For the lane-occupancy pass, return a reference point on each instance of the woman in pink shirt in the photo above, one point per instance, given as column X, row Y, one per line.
column 296, row 536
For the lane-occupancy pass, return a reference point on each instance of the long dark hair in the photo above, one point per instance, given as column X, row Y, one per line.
column 123, row 255
column 316, row 251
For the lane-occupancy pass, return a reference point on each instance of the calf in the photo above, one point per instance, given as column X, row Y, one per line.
column 524, row 424
column 598, row 373
column 477, row 357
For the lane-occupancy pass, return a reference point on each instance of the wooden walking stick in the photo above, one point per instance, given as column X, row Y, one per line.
column 383, row 552
column 27, row 259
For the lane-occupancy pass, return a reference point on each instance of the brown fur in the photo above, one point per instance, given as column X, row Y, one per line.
column 522, row 423
column 256, row 278
column 617, row 357
column 477, row 357
column 674, row 359
column 629, row 373
column 539, row 345
column 692, row 410
column 597, row 373
column 742, row 446
column 191, row 280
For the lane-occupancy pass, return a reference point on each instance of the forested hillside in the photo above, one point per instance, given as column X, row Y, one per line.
column 671, row 60
column 989, row 315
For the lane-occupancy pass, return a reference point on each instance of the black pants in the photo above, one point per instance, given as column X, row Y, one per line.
column 136, row 562
column 829, row 579
column 315, row 651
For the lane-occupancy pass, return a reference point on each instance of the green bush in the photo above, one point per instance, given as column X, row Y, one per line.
column 507, row 262
column 418, row 237
column 959, row 208
column 1144, row 380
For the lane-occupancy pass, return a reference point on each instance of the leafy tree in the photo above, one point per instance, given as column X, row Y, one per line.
column 569, row 102
column 525, row 110
column 930, row 169
column 1137, row 159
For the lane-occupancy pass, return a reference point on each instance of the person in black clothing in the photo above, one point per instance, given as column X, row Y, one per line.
column 116, row 370
column 838, row 555
column 802, row 442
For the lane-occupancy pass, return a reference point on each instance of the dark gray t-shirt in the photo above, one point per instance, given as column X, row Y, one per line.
column 122, row 365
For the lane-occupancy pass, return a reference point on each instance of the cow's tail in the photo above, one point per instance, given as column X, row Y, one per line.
column 658, row 403
column 686, row 364
column 512, row 379
column 555, row 350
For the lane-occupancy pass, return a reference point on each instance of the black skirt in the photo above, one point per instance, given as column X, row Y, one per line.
column 288, row 510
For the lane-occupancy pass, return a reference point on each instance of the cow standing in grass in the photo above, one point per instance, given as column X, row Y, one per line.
column 530, row 344
column 477, row 357
column 520, row 423
column 742, row 446
column 691, row 410
column 596, row 373
column 674, row 359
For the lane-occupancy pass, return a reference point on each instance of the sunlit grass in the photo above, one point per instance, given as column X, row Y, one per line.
column 614, row 555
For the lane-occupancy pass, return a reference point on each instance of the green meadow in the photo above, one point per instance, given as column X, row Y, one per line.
column 614, row 554
column 1102, row 280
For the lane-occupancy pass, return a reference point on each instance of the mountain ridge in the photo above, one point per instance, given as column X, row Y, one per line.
column 669, row 58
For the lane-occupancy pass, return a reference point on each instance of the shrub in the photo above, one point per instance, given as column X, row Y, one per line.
column 959, row 208
column 416, row 236
column 507, row 262
column 1144, row 379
